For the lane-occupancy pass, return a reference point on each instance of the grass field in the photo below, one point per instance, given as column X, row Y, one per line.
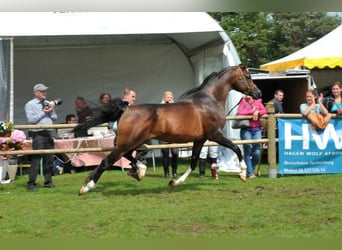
column 307, row 207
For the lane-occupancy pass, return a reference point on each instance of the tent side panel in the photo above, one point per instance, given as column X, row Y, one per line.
column 90, row 71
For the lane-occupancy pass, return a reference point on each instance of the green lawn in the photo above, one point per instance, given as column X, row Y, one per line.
column 307, row 207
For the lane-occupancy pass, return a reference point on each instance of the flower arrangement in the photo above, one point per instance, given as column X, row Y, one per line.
column 14, row 142
column 6, row 127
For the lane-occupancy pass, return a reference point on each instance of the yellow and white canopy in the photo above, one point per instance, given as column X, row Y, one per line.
column 326, row 52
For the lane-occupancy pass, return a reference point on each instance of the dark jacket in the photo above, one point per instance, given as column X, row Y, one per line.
column 329, row 102
column 84, row 113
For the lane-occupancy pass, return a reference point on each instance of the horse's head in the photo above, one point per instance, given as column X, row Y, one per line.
column 244, row 83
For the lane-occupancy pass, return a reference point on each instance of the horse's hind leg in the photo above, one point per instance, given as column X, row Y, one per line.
column 138, row 169
column 95, row 175
column 220, row 139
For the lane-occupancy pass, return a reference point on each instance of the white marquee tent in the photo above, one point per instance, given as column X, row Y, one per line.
column 323, row 57
column 89, row 53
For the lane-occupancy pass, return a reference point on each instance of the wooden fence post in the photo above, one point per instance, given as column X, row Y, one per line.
column 271, row 134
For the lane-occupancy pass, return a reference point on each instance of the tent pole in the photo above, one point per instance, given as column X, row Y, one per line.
column 11, row 104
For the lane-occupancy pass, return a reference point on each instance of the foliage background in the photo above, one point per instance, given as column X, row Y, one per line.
column 261, row 37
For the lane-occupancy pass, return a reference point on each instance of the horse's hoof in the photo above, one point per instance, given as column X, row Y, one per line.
column 89, row 186
column 134, row 175
column 172, row 184
column 242, row 178
column 141, row 170
column 140, row 177
column 82, row 191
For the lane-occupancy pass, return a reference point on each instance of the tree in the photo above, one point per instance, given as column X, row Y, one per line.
column 261, row 37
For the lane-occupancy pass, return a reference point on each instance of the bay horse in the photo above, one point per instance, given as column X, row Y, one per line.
column 197, row 116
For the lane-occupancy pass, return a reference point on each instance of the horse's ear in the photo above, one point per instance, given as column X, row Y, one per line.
column 243, row 66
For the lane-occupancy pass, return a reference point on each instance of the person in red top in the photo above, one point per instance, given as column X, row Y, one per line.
column 249, row 106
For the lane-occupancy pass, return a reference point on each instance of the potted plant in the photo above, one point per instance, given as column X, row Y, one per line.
column 13, row 141
column 6, row 128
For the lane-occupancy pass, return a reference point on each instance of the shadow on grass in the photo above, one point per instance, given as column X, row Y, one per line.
column 111, row 188
column 154, row 184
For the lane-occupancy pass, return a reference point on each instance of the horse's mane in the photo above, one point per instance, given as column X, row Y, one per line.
column 204, row 83
column 196, row 89
column 101, row 115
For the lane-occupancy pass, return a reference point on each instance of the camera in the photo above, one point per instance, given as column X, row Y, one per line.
column 47, row 104
column 57, row 101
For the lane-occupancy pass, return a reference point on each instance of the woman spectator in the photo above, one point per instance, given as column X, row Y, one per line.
column 316, row 113
column 249, row 106
column 333, row 102
column 168, row 98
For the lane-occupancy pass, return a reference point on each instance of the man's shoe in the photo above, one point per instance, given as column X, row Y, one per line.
column 49, row 185
column 32, row 188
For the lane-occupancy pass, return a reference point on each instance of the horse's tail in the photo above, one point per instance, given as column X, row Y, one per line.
column 110, row 113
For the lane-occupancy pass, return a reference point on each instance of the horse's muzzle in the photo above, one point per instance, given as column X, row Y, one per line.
column 256, row 93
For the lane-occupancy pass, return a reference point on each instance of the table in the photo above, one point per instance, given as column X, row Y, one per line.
column 85, row 159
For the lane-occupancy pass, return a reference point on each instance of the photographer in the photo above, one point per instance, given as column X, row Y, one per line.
column 39, row 111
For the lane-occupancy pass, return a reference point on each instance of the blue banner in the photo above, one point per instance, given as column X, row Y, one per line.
column 306, row 150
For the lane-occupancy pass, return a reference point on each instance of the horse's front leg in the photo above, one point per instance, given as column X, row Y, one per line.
column 95, row 175
column 138, row 169
column 223, row 141
column 196, row 149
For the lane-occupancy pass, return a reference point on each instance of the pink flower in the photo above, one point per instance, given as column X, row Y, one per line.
column 18, row 136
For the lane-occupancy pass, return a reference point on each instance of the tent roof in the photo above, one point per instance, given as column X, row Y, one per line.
column 325, row 52
column 108, row 51
column 174, row 25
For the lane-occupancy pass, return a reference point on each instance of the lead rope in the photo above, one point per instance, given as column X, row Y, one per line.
column 234, row 107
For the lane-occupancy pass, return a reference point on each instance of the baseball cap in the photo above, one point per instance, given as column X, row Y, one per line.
column 39, row 87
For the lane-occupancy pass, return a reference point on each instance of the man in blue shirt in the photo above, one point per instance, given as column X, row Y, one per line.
column 40, row 111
